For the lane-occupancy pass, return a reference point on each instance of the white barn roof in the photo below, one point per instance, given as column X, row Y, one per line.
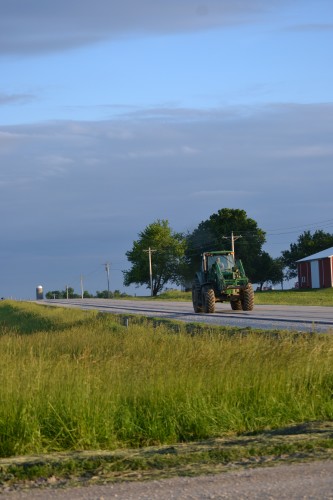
column 319, row 255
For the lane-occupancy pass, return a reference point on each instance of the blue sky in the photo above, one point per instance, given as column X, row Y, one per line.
column 114, row 114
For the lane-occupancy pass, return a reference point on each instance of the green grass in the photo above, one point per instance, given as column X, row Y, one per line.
column 76, row 380
column 318, row 297
column 315, row 297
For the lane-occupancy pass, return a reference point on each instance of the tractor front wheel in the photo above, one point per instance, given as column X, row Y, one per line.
column 236, row 305
column 209, row 300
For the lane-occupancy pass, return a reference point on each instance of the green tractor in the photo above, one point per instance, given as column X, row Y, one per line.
column 222, row 279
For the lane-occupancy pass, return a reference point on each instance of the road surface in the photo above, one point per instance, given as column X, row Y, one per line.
column 293, row 481
column 270, row 317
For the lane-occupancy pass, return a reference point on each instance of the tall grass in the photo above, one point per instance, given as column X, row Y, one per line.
column 88, row 382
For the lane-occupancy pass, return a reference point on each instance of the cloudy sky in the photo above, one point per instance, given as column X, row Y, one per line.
column 115, row 113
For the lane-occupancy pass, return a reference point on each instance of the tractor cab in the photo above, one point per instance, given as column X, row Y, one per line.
column 221, row 262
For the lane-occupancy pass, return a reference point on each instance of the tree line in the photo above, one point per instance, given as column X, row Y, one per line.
column 70, row 294
column 175, row 257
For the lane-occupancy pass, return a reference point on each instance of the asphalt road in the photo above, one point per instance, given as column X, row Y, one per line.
column 299, row 318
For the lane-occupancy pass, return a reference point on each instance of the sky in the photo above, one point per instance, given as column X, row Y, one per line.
column 117, row 113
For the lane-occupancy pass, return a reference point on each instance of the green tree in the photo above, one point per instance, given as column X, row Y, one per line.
column 268, row 270
column 57, row 294
column 167, row 251
column 104, row 294
column 307, row 244
column 54, row 294
column 215, row 234
column 69, row 292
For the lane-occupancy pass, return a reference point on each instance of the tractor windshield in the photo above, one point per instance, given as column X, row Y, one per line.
column 225, row 262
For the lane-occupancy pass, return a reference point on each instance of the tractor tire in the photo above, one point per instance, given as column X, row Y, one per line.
column 248, row 298
column 209, row 300
column 236, row 305
column 196, row 297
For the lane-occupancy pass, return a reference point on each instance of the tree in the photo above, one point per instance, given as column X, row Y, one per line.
column 57, row 294
column 215, row 234
column 104, row 294
column 167, row 251
column 69, row 292
column 268, row 270
column 54, row 294
column 307, row 244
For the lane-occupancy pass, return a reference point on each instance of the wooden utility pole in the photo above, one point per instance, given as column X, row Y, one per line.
column 107, row 269
column 149, row 250
column 233, row 239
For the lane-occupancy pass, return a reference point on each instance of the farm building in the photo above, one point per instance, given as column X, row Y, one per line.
column 315, row 271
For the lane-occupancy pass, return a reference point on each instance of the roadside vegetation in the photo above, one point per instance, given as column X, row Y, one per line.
column 294, row 297
column 77, row 380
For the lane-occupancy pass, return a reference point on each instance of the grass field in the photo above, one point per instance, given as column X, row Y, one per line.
column 75, row 380
column 320, row 297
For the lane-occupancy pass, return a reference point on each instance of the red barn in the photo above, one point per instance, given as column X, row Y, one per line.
column 315, row 271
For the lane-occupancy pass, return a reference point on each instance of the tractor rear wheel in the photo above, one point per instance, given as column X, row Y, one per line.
column 196, row 297
column 209, row 300
column 248, row 298
column 236, row 305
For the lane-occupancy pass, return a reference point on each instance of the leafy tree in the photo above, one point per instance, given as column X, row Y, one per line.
column 54, row 294
column 104, row 294
column 167, row 251
column 118, row 293
column 57, row 294
column 307, row 244
column 69, row 292
column 268, row 270
column 215, row 234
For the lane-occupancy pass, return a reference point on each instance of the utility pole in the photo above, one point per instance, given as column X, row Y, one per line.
column 233, row 239
column 107, row 269
column 67, row 292
column 150, row 269
column 81, row 282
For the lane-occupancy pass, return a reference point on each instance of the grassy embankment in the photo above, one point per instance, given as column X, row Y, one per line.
column 76, row 380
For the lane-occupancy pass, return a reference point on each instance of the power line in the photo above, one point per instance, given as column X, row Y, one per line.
column 324, row 223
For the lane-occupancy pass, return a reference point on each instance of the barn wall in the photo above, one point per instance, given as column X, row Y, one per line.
column 304, row 275
column 325, row 273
